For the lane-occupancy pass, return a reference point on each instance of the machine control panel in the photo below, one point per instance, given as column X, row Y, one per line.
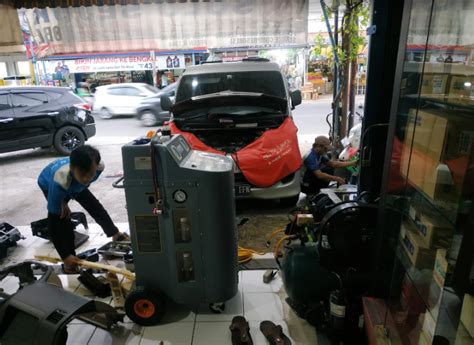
column 179, row 148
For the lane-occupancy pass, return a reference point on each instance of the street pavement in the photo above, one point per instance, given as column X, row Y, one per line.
column 21, row 201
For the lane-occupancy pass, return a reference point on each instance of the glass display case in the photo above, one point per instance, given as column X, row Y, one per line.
column 429, row 180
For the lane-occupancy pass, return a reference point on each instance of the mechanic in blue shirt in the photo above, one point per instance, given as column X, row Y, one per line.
column 320, row 169
column 66, row 179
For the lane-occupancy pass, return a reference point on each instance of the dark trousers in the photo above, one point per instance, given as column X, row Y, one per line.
column 62, row 230
column 312, row 185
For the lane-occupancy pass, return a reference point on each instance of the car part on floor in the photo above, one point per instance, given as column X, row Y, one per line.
column 240, row 331
column 181, row 211
column 114, row 249
column 9, row 235
column 40, row 228
column 27, row 319
column 99, row 286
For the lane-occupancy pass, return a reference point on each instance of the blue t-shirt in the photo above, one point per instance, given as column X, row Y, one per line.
column 57, row 181
column 312, row 163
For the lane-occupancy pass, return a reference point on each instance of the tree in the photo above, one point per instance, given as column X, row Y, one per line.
column 356, row 16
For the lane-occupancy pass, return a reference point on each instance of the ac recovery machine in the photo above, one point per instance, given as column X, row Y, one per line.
column 181, row 211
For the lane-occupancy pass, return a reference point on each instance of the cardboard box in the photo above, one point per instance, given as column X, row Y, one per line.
column 434, row 84
column 435, row 231
column 420, row 255
column 441, row 267
column 460, row 92
column 440, row 134
column 463, row 337
column 377, row 320
column 467, row 314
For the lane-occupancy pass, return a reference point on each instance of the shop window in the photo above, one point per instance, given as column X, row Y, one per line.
column 23, row 67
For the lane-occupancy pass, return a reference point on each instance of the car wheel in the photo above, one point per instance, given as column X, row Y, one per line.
column 148, row 119
column 290, row 201
column 105, row 114
column 67, row 139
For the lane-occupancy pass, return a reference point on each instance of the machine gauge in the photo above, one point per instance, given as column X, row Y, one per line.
column 180, row 196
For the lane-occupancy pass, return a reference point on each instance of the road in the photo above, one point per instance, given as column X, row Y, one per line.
column 310, row 118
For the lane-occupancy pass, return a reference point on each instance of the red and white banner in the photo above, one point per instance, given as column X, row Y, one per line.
column 116, row 63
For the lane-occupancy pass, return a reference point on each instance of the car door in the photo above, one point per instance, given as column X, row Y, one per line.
column 117, row 100
column 35, row 117
column 8, row 140
column 134, row 95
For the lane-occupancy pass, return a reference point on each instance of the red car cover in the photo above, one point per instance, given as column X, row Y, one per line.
column 267, row 160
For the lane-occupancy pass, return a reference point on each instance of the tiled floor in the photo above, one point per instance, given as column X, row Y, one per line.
column 181, row 325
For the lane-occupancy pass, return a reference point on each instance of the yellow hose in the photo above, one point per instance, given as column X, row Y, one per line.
column 245, row 254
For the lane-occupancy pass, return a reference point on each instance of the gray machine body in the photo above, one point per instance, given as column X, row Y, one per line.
column 187, row 247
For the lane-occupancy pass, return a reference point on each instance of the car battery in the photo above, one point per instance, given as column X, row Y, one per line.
column 181, row 211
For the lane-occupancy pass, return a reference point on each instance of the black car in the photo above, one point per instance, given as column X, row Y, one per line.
column 42, row 117
column 150, row 113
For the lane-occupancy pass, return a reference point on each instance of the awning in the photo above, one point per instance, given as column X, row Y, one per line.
column 132, row 25
column 79, row 3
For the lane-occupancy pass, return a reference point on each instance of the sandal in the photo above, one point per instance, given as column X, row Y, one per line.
column 240, row 331
column 274, row 333
column 123, row 237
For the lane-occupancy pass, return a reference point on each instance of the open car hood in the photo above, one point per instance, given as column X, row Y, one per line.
column 229, row 98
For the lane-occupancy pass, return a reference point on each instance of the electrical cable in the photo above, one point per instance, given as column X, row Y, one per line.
column 245, row 255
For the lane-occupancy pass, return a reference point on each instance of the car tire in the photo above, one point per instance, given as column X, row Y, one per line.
column 67, row 139
column 105, row 114
column 290, row 201
column 148, row 119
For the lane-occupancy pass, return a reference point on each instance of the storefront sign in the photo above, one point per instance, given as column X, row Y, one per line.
column 115, row 64
column 169, row 25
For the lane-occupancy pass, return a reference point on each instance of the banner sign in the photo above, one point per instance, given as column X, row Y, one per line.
column 169, row 26
column 113, row 63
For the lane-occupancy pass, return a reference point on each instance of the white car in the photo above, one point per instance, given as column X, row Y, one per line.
column 120, row 99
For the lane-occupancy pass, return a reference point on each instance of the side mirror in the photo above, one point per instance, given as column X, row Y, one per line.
column 295, row 98
column 165, row 103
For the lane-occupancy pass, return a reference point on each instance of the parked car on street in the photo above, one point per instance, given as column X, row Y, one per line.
column 243, row 110
column 42, row 117
column 120, row 99
column 150, row 113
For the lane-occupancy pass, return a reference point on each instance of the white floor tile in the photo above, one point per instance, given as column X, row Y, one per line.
column 252, row 281
column 262, row 306
column 79, row 334
column 129, row 334
column 233, row 307
column 212, row 333
column 178, row 333
column 179, row 313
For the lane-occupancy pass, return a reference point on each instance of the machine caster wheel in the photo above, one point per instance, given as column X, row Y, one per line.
column 145, row 307
column 217, row 308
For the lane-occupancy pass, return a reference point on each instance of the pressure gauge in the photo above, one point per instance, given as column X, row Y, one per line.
column 180, row 196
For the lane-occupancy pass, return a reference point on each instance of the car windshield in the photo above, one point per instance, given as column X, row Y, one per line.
column 266, row 82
